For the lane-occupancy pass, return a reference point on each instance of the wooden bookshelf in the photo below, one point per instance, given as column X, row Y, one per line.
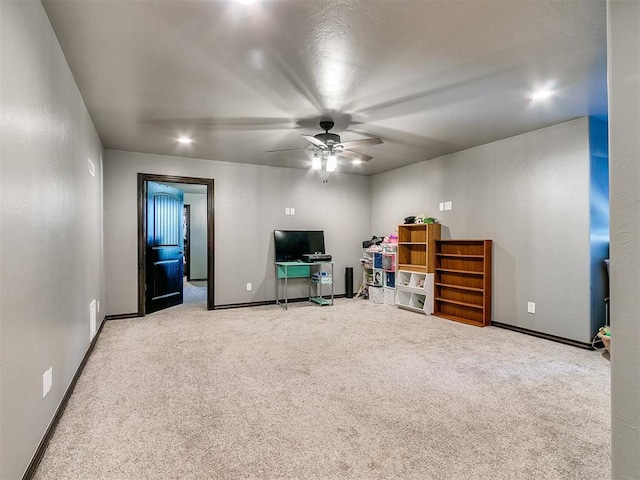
column 414, row 278
column 462, row 287
column 415, row 241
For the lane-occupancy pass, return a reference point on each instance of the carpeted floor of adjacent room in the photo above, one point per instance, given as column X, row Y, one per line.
column 353, row 391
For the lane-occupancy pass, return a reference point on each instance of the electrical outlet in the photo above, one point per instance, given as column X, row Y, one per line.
column 531, row 307
column 93, row 315
column 287, row 211
column 441, row 206
column 47, row 381
column 248, row 287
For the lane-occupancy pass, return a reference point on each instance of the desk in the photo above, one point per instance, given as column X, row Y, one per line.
column 287, row 270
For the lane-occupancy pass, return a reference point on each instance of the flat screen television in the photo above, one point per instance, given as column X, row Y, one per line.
column 292, row 244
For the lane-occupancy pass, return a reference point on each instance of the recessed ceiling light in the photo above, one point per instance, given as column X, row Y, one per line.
column 185, row 140
column 540, row 94
column 356, row 162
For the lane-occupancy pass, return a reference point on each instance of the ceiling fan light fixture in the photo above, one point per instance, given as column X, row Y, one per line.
column 332, row 163
column 327, row 147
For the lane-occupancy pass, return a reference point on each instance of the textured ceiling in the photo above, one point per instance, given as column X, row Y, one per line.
column 428, row 77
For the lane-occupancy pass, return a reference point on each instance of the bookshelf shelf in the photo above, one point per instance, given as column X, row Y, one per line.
column 414, row 278
column 462, row 287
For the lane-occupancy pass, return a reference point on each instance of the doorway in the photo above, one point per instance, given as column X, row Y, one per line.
column 148, row 246
column 186, row 225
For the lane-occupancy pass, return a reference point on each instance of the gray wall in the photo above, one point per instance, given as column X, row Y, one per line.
column 530, row 195
column 624, row 142
column 250, row 203
column 50, row 229
column 51, row 239
column 198, row 234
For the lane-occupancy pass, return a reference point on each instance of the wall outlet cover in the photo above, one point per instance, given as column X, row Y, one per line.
column 248, row 287
column 93, row 318
column 47, row 381
column 441, row 206
column 531, row 307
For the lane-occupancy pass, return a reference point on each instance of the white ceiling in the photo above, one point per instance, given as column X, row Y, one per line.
column 428, row 77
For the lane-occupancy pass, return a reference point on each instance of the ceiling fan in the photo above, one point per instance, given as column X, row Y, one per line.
column 327, row 144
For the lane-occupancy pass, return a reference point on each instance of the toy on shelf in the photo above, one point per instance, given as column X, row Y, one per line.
column 391, row 239
column 422, row 218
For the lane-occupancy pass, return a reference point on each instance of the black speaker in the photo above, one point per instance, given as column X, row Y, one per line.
column 348, row 282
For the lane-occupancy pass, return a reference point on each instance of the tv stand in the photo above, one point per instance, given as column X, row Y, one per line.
column 323, row 272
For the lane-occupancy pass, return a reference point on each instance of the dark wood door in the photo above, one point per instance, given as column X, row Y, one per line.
column 165, row 247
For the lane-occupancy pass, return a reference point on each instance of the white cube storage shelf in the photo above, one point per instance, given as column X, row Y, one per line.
column 384, row 295
column 389, row 296
column 414, row 291
column 376, row 294
column 378, row 273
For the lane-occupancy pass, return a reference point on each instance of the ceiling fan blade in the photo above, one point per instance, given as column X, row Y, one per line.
column 355, row 155
column 315, row 141
column 360, row 143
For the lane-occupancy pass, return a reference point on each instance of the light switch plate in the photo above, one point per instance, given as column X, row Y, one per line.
column 441, row 206
column 448, row 206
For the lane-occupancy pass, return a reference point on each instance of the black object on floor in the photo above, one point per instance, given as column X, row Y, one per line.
column 348, row 282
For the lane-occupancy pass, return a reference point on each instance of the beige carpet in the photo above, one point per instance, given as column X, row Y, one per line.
column 194, row 291
column 353, row 391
